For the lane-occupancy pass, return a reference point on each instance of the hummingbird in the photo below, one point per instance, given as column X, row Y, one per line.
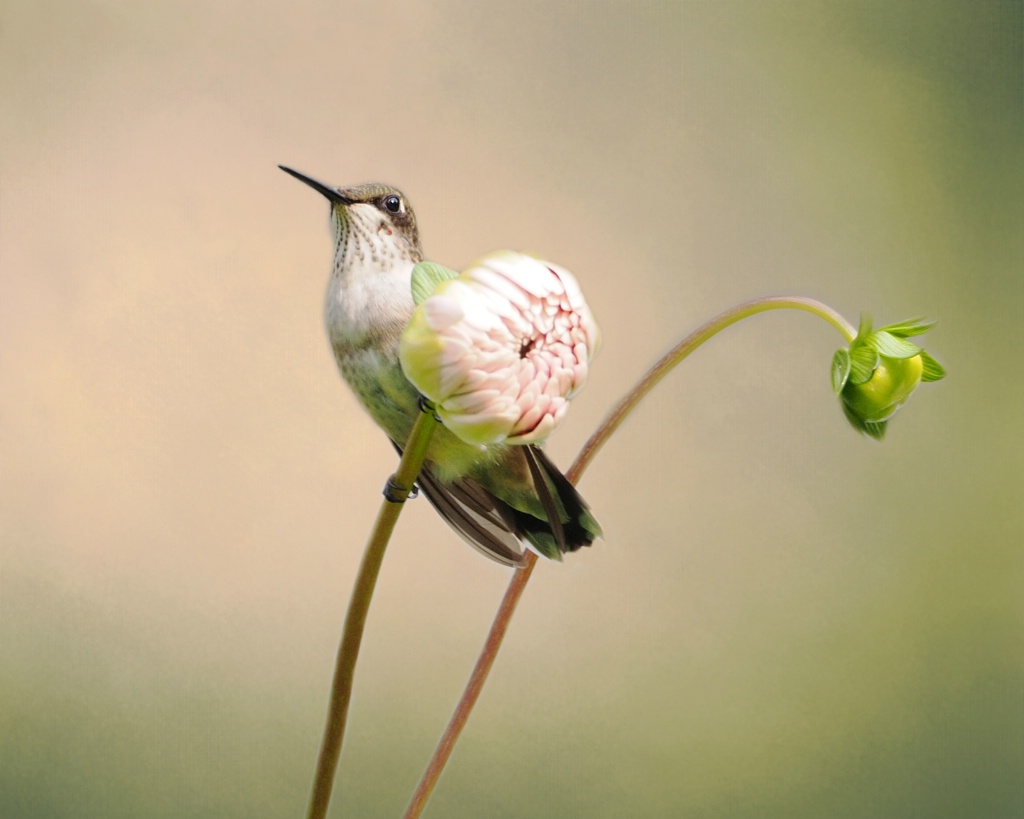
column 495, row 496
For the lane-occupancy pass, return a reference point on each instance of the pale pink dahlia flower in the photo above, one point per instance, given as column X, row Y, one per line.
column 501, row 349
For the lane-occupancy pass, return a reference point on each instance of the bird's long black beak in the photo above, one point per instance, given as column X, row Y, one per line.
column 333, row 194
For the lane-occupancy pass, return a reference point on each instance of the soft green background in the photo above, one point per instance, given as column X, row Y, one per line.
column 785, row 619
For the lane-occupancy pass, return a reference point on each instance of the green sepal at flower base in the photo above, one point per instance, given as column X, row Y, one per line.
column 878, row 372
column 426, row 276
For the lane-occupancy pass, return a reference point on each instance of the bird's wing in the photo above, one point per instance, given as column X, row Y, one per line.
column 486, row 523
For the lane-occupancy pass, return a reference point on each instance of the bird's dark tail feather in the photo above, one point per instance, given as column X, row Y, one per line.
column 570, row 525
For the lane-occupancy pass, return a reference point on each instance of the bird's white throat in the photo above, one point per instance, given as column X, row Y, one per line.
column 364, row 301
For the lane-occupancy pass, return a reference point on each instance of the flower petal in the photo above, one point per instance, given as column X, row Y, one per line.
column 501, row 348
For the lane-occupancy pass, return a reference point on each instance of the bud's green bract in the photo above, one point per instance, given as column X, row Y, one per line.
column 879, row 371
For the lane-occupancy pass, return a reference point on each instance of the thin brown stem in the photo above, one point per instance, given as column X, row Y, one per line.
column 517, row 585
column 474, row 686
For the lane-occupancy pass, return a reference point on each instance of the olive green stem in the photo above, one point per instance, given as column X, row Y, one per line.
column 398, row 488
column 683, row 349
column 517, row 585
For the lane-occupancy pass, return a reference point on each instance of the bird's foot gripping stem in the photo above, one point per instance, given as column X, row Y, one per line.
column 396, row 493
column 426, row 405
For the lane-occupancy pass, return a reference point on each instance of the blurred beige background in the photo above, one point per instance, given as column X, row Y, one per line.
column 785, row 619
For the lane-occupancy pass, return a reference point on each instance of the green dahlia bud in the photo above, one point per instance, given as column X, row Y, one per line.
column 890, row 385
column 876, row 375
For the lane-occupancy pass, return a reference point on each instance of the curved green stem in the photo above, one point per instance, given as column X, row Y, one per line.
column 398, row 489
column 517, row 585
column 691, row 343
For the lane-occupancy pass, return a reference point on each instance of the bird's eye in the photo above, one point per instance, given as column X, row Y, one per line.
column 393, row 204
